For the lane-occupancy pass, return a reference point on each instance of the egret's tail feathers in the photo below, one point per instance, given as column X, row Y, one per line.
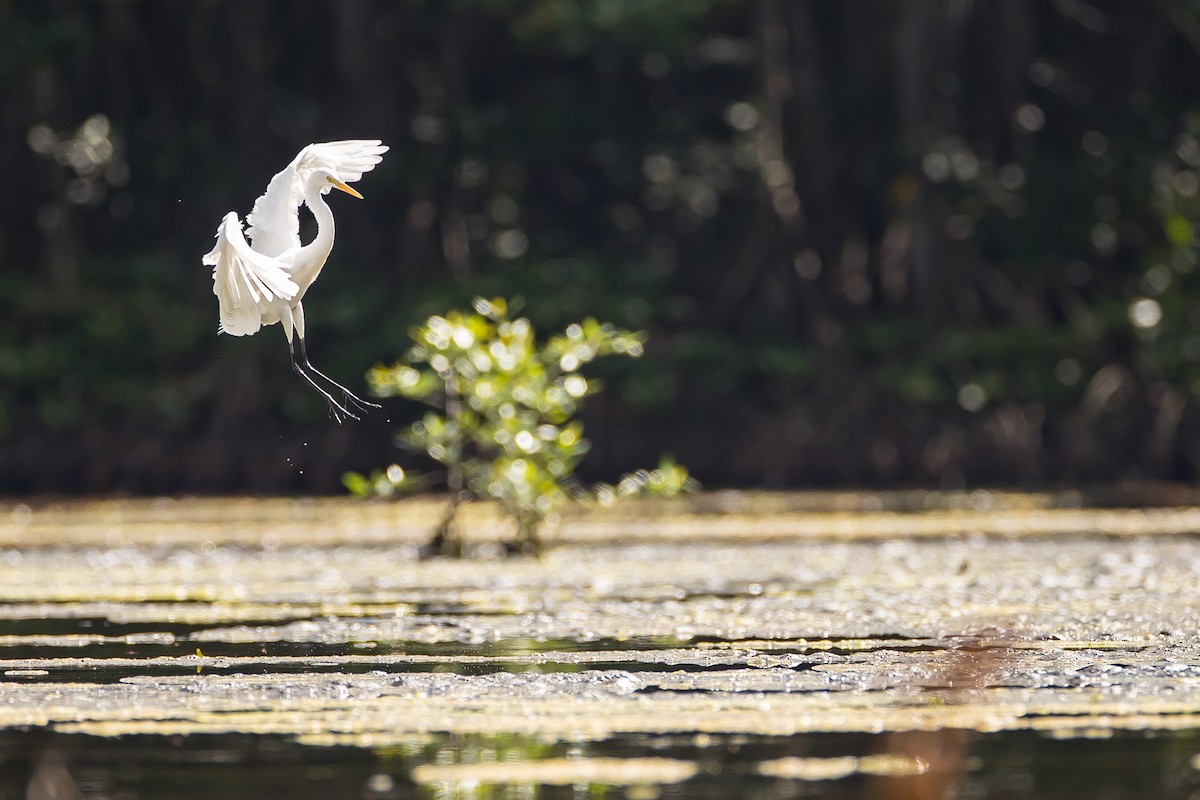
column 246, row 282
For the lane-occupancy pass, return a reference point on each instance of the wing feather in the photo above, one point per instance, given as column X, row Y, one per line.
column 274, row 221
column 245, row 281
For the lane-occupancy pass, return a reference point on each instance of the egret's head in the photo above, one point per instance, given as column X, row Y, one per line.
column 338, row 183
column 332, row 181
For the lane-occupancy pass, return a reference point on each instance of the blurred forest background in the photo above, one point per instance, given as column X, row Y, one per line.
column 931, row 242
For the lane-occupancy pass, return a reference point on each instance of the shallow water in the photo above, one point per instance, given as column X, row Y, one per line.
column 980, row 645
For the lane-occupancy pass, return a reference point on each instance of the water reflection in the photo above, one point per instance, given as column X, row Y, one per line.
column 837, row 654
column 240, row 767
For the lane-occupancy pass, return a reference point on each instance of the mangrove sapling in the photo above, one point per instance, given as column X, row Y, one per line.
column 504, row 419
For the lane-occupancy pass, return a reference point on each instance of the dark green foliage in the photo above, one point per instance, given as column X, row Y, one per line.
column 872, row 241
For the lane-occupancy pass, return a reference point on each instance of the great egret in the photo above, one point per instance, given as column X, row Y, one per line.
column 262, row 282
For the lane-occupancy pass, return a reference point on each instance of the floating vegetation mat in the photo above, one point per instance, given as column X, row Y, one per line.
column 274, row 620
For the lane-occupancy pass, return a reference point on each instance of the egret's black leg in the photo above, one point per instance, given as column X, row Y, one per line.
column 351, row 397
column 336, row 409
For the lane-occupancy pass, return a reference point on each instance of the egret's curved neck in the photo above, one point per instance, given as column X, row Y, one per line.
column 313, row 255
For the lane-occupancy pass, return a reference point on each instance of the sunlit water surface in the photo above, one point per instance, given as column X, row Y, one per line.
column 738, row 646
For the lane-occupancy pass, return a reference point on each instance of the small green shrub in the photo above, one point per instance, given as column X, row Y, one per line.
column 506, row 424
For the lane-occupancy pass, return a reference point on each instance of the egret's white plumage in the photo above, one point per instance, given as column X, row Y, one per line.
column 275, row 221
column 247, row 283
column 262, row 281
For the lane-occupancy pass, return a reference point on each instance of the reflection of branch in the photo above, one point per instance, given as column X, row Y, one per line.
column 52, row 780
column 943, row 752
column 1187, row 24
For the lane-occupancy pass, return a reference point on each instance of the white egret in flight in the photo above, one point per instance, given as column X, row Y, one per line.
column 262, row 282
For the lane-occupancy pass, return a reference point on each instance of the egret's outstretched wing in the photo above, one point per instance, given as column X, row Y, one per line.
column 244, row 281
column 274, row 222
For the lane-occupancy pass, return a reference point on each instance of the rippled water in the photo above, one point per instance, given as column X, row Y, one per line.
column 985, row 646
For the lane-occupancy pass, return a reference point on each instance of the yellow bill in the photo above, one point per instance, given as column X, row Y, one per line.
column 345, row 188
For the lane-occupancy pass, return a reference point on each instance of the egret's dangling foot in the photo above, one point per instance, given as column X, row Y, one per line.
column 349, row 396
column 336, row 409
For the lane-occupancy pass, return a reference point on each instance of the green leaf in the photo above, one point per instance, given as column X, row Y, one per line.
column 1180, row 231
column 359, row 485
